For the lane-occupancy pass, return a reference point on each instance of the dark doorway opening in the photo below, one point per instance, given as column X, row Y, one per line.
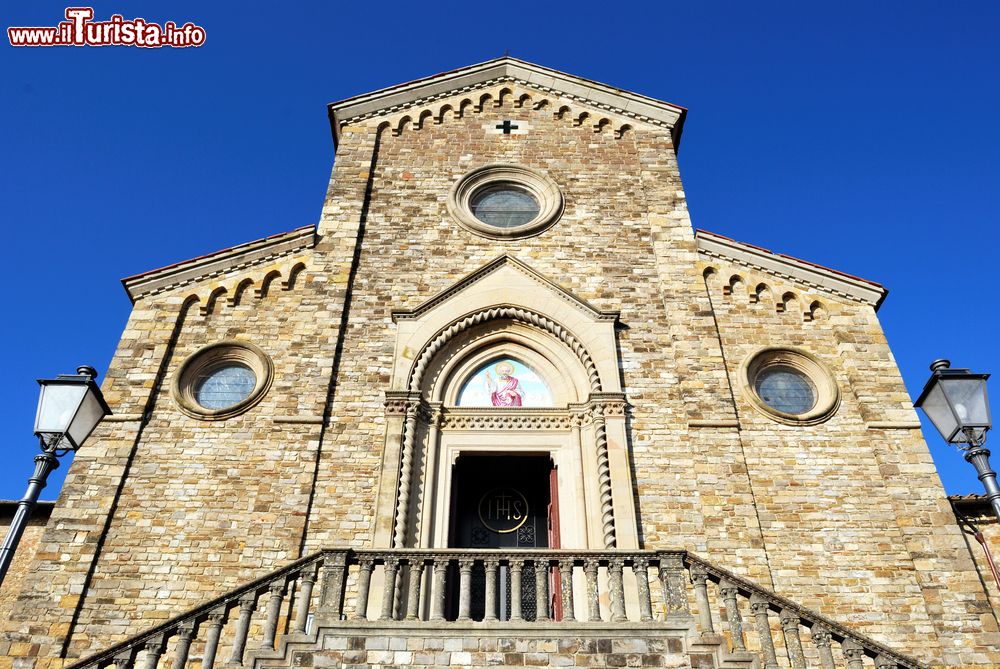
column 502, row 501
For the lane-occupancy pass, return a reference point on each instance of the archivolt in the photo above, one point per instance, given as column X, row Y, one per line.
column 492, row 313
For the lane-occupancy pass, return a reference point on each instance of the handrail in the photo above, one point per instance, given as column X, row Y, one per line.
column 403, row 599
column 780, row 603
column 199, row 612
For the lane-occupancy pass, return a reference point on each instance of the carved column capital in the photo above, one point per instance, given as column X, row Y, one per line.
column 789, row 620
column 759, row 605
column 821, row 636
column 186, row 629
column 698, row 575
column 401, row 403
column 217, row 617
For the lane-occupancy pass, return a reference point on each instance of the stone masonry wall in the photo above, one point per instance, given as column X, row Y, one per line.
column 852, row 512
column 979, row 516
column 20, row 567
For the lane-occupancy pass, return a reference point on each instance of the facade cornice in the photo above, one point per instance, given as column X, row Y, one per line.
column 219, row 262
column 800, row 271
column 421, row 91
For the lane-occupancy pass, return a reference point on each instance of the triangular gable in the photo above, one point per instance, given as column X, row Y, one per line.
column 491, row 268
column 601, row 96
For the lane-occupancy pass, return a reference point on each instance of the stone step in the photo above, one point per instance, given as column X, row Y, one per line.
column 376, row 645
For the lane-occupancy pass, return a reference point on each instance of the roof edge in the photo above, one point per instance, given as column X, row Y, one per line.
column 840, row 283
column 144, row 283
column 408, row 94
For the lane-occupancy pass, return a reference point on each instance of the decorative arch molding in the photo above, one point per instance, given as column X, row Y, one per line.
column 510, row 312
column 506, row 309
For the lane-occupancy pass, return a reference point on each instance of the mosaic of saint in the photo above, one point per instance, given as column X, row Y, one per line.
column 505, row 383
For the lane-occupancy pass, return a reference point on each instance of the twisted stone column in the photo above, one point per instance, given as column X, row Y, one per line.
column 405, row 474
column 604, row 478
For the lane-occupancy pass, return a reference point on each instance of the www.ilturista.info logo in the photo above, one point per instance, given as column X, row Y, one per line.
column 81, row 30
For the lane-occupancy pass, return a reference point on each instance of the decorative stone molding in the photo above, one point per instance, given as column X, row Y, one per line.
column 502, row 312
column 893, row 425
column 827, row 392
column 397, row 403
column 234, row 351
column 791, row 269
column 274, row 249
column 544, row 190
column 511, row 421
column 713, row 423
column 489, row 268
column 413, row 96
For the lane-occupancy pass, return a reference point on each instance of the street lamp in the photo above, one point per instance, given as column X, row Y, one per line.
column 955, row 400
column 69, row 408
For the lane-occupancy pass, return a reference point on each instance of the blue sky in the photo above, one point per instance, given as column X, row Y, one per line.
column 858, row 135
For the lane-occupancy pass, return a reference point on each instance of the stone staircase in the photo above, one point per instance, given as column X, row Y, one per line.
column 485, row 608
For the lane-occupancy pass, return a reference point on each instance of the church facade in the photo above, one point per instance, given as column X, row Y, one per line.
column 503, row 405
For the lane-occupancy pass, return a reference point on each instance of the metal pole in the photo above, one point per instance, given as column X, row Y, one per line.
column 44, row 464
column 980, row 459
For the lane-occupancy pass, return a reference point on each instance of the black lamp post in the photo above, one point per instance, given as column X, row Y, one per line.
column 69, row 408
column 955, row 400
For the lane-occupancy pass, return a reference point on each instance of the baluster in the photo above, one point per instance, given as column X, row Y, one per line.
column 541, row 590
column 640, row 567
column 672, row 581
column 389, row 587
column 216, row 619
column 247, row 605
column 617, row 588
column 277, row 593
column 440, row 567
column 516, row 565
column 566, row 588
column 464, row 588
column 729, row 592
column 590, row 567
column 793, row 644
column 185, row 634
column 885, row 662
column 125, row 659
column 365, row 566
column 308, row 580
column 413, row 594
column 334, row 574
column 759, row 607
column 154, row 649
column 491, row 565
column 854, row 653
column 821, row 637
column 699, row 577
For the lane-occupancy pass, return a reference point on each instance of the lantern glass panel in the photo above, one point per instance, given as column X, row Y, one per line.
column 90, row 414
column 968, row 400
column 935, row 405
column 57, row 404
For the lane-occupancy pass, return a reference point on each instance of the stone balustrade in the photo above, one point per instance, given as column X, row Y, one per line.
column 496, row 590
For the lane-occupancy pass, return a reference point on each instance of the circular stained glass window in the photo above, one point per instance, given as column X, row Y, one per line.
column 224, row 386
column 785, row 389
column 504, row 206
